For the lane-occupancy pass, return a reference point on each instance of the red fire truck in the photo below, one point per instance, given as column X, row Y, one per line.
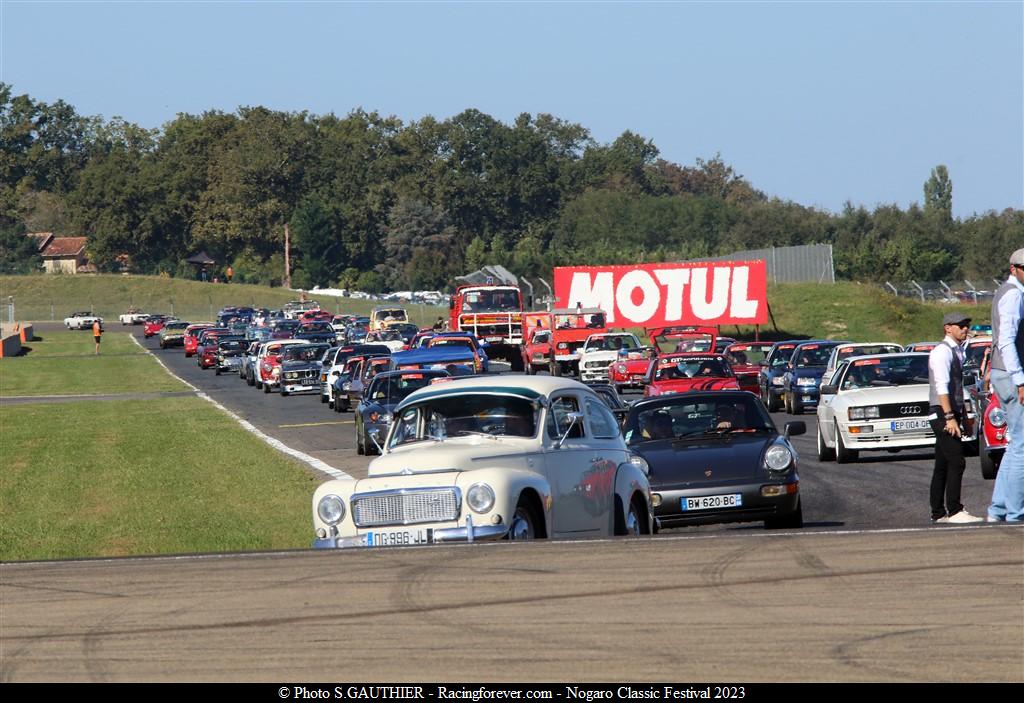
column 494, row 313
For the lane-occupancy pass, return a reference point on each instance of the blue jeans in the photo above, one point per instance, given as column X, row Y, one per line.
column 1008, row 494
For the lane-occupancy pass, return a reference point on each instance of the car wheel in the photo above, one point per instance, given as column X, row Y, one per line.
column 774, row 402
column 516, row 362
column 524, row 523
column 360, row 446
column 630, row 524
column 793, row 521
column 344, row 405
column 844, row 455
column 796, row 407
column 323, row 398
column 825, row 453
column 531, row 370
column 284, row 393
column 989, row 463
column 266, row 387
column 217, row 371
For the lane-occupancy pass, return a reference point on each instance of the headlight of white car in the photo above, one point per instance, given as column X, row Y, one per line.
column 777, row 458
column 331, row 509
column 639, row 462
column 868, row 412
column 778, row 381
column 997, row 417
column 806, row 381
column 480, row 497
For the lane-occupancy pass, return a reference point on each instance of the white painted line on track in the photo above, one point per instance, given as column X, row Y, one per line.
column 319, row 424
column 277, row 444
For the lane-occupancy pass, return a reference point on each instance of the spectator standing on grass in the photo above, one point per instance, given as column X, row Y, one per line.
column 1007, row 380
column 946, row 404
column 97, row 332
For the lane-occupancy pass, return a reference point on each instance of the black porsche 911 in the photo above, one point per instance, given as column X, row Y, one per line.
column 716, row 456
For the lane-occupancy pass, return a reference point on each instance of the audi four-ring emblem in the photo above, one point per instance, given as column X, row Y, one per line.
column 908, row 410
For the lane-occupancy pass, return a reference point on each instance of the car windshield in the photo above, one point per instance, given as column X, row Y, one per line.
column 450, row 342
column 673, row 369
column 176, row 326
column 847, row 352
column 465, row 414
column 813, row 355
column 317, row 327
column 303, row 352
column 887, row 371
column 612, row 343
column 231, row 345
column 490, row 301
column 975, row 353
column 393, row 313
column 742, row 354
column 286, row 325
column 781, row 355
column 391, row 336
column 390, row 390
column 678, row 417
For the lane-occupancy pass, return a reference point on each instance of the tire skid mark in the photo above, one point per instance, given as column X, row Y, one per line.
column 845, row 654
column 714, row 576
column 37, row 587
column 320, row 618
column 91, row 643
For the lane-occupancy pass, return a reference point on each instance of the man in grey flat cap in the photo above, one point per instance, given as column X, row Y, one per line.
column 1007, row 380
column 946, row 403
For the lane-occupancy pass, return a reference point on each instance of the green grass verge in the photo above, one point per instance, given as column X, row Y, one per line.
column 63, row 362
column 849, row 311
column 54, row 297
column 123, row 478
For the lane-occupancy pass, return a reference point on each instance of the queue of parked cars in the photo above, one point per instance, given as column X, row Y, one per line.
column 464, row 455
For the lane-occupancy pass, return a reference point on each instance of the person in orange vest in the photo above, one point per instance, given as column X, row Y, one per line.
column 229, row 273
column 97, row 332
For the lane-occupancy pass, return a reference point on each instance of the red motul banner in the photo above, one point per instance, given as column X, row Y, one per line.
column 656, row 295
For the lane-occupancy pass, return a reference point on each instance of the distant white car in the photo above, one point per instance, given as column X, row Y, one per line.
column 81, row 320
column 600, row 351
column 133, row 317
column 877, row 403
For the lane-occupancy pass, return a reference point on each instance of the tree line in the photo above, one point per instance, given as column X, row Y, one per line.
column 375, row 203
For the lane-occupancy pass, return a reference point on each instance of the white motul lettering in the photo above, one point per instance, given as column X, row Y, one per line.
column 706, row 308
column 599, row 295
column 742, row 306
column 675, row 281
column 624, row 296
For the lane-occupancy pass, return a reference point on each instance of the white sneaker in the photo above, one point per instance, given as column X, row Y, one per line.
column 937, row 520
column 963, row 517
column 994, row 519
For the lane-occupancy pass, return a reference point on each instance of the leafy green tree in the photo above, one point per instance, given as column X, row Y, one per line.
column 17, row 252
column 938, row 194
column 315, row 241
column 370, row 282
column 414, row 226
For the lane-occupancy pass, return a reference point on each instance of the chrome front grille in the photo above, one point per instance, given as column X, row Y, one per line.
column 406, row 507
column 599, row 364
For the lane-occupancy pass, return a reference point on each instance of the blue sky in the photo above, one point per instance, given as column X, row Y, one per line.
column 813, row 102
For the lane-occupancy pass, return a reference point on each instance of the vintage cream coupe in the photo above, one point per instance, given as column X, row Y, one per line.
column 489, row 458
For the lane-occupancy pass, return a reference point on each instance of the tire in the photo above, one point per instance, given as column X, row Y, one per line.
column 844, row 455
column 266, row 387
column 796, row 407
column 556, row 368
column 257, row 383
column 284, row 393
column 530, row 370
column 989, row 465
column 345, row 406
column 793, row 521
column 217, row 371
column 323, row 398
column 774, row 403
column 825, row 453
column 523, row 525
column 360, row 443
column 517, row 362
column 629, row 524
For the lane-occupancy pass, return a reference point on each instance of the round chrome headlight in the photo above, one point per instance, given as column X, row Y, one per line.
column 640, row 463
column 480, row 497
column 331, row 509
column 778, row 457
column 997, row 417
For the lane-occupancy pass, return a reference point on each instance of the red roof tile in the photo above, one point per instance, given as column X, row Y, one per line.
column 42, row 239
column 65, row 246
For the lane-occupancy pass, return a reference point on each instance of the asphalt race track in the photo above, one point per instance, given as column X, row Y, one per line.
column 868, row 591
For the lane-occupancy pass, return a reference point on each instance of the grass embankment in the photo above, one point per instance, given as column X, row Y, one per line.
column 850, row 311
column 123, row 478
column 53, row 297
column 63, row 362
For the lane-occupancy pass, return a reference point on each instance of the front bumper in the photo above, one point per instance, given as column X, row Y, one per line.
column 430, row 535
column 172, row 341
column 806, row 395
column 293, row 387
column 232, row 363
column 754, row 507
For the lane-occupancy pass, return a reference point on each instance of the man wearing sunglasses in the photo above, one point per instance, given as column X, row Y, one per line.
column 1007, row 380
column 946, row 400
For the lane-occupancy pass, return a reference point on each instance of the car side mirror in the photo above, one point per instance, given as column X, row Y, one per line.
column 375, row 438
column 573, row 419
column 828, row 389
column 797, row 427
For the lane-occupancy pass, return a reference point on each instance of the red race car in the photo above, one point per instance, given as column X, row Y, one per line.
column 745, row 359
column 630, row 369
column 192, row 336
column 152, row 326
column 679, row 373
